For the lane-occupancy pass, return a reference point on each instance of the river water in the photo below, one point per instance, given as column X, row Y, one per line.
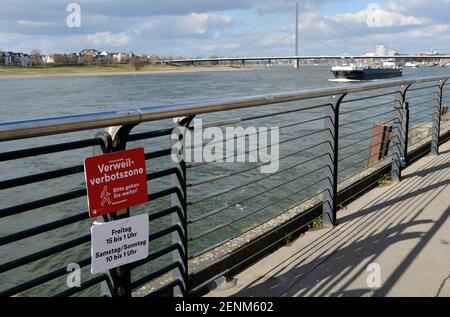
column 27, row 98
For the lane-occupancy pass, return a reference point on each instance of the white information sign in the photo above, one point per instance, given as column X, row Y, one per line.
column 118, row 242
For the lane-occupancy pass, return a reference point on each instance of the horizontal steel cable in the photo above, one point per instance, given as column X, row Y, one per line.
column 84, row 285
column 420, row 115
column 259, row 148
column 420, row 133
column 284, row 112
column 422, row 103
column 39, row 177
column 370, row 107
column 169, row 286
column 367, row 129
column 44, row 253
column 251, row 134
column 43, row 228
column 360, row 161
column 213, row 195
column 360, row 171
column 156, row 254
column 209, row 231
column 359, row 141
column 221, row 209
column 418, row 96
column 239, row 120
column 148, row 135
column 41, row 279
column 366, row 118
column 72, row 170
column 39, row 203
column 48, row 149
column 359, row 151
column 369, row 97
column 422, row 124
column 251, row 227
column 156, row 274
column 220, row 177
column 423, row 87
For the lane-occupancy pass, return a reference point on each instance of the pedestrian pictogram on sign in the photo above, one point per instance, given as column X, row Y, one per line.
column 105, row 196
column 115, row 181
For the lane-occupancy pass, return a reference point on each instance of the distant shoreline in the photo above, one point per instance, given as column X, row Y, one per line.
column 6, row 72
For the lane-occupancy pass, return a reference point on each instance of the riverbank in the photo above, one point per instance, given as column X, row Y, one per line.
column 9, row 72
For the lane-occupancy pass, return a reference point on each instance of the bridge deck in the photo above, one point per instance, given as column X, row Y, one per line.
column 402, row 227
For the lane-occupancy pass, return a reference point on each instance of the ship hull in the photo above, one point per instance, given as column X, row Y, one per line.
column 366, row 74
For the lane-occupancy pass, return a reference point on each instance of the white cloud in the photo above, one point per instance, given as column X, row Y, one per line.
column 108, row 39
column 195, row 27
column 29, row 23
column 219, row 47
column 384, row 18
column 437, row 10
column 199, row 24
column 437, row 30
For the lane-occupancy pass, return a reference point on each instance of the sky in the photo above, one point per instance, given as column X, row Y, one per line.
column 202, row 28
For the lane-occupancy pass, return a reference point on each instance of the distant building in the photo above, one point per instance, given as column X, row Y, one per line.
column 121, row 58
column 89, row 56
column 15, row 59
column 89, row 51
column 37, row 59
column 2, row 58
column 381, row 50
column 25, row 60
column 73, row 59
column 154, row 59
column 6, row 58
column 49, row 59
column 116, row 57
column 86, row 56
column 56, row 59
column 105, row 57
column 432, row 52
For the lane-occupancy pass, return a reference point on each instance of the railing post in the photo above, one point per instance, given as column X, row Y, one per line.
column 330, row 194
column 179, row 200
column 437, row 113
column 116, row 140
column 400, row 126
column 406, row 133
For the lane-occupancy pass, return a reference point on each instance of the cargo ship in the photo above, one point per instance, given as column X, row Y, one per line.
column 354, row 72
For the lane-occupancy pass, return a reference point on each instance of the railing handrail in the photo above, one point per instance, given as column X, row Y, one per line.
column 14, row 130
column 301, row 57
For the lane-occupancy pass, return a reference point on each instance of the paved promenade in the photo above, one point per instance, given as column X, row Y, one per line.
column 393, row 241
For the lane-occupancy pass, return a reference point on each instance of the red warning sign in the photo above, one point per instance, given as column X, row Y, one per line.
column 115, row 181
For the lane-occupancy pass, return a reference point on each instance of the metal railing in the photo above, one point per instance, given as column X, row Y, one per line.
column 207, row 219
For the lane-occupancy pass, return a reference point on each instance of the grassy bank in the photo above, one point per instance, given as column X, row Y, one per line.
column 11, row 71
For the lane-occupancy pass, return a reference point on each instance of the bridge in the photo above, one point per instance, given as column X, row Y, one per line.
column 297, row 59
column 332, row 208
column 312, row 57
